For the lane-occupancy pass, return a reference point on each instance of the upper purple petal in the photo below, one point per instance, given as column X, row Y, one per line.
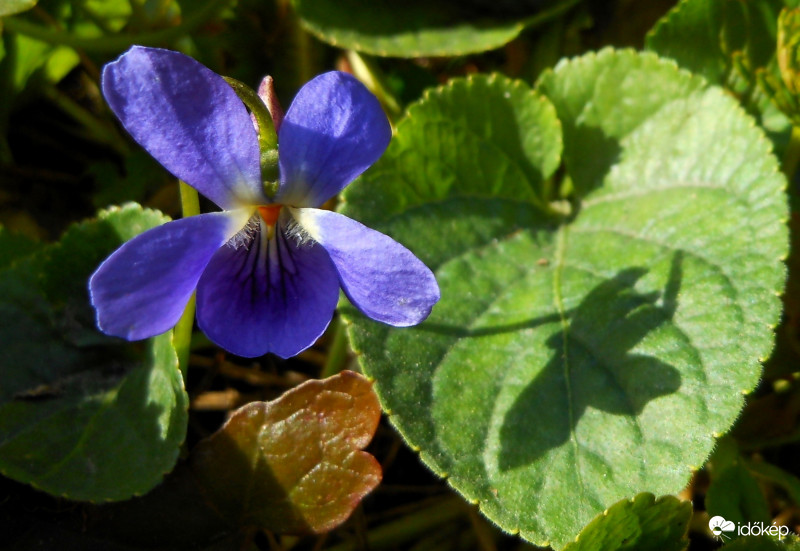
column 142, row 289
column 190, row 120
column 381, row 277
column 267, row 295
column 334, row 130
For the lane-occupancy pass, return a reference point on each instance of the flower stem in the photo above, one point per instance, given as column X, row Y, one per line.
column 411, row 526
column 337, row 355
column 791, row 157
column 368, row 72
column 115, row 42
column 7, row 69
column 546, row 15
column 182, row 333
column 96, row 129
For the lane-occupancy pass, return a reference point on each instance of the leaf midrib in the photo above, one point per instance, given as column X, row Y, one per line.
column 558, row 302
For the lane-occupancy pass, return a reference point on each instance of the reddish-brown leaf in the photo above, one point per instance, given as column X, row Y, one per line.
column 294, row 465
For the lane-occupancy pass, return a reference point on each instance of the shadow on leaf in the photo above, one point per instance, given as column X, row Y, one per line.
column 593, row 366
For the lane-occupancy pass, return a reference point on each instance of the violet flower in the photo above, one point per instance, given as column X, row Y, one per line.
column 267, row 270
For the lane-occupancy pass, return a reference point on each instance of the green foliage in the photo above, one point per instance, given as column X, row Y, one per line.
column 14, row 246
column 420, row 28
column 705, row 35
column 735, row 495
column 294, row 465
column 83, row 415
column 731, row 44
column 642, row 524
column 9, row 7
column 593, row 347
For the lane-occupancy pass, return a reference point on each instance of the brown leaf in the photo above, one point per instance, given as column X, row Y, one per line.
column 294, row 465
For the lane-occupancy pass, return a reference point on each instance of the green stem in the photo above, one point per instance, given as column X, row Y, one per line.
column 303, row 42
column 182, row 334
column 544, row 16
column 791, row 157
column 301, row 45
column 368, row 72
column 337, row 355
column 116, row 42
column 98, row 131
column 409, row 527
column 7, row 69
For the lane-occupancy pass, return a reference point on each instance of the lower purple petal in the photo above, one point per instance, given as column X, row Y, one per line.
column 142, row 289
column 381, row 277
column 267, row 295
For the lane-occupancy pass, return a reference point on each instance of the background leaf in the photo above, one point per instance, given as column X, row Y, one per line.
column 9, row 7
column 704, row 35
column 83, row 415
column 420, row 28
column 592, row 355
column 294, row 465
column 642, row 523
column 14, row 246
column 727, row 43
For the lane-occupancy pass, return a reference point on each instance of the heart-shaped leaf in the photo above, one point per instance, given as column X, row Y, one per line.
column 578, row 355
column 642, row 523
column 294, row 465
column 83, row 415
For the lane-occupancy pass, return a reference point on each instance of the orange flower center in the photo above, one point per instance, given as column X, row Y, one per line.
column 270, row 214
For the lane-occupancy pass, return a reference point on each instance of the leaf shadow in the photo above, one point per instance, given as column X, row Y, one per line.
column 588, row 171
column 593, row 366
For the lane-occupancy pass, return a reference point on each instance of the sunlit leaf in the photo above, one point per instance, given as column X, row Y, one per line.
column 642, row 523
column 83, row 415
column 295, row 464
column 580, row 353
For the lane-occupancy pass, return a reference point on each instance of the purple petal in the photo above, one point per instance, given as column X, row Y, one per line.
column 334, row 130
column 141, row 290
column 381, row 278
column 190, row 120
column 269, row 295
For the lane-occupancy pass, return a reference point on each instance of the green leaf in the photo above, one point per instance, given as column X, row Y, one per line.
column 576, row 360
column 10, row 7
column 728, row 43
column 420, row 28
column 14, row 246
column 703, row 35
column 642, row 523
column 735, row 495
column 83, row 415
column 774, row 474
column 294, row 465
